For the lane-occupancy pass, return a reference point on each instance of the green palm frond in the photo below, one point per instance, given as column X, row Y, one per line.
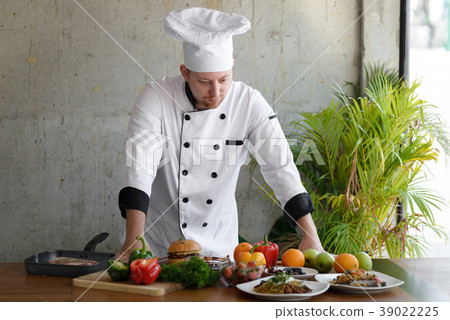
column 345, row 237
column 373, row 149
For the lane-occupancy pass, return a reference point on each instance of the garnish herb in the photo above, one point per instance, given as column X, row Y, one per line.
column 194, row 272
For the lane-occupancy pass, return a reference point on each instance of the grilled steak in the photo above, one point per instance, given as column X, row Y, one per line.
column 72, row 261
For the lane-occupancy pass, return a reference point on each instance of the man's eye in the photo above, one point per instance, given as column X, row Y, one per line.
column 224, row 80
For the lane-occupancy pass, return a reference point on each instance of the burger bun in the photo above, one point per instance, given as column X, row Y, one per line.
column 181, row 249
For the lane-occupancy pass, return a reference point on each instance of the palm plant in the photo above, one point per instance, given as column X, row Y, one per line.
column 372, row 153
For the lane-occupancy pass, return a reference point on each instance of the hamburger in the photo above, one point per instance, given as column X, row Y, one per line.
column 183, row 248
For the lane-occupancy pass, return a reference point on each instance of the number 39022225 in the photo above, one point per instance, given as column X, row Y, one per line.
column 409, row 311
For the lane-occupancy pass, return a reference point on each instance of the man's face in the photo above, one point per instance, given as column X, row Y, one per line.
column 208, row 88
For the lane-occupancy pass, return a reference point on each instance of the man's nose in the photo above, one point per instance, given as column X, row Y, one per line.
column 215, row 90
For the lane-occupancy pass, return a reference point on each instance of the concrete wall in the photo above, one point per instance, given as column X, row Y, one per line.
column 67, row 90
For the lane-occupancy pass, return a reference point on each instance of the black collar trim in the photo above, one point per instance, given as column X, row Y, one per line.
column 189, row 94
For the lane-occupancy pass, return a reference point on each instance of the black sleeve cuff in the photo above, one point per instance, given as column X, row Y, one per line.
column 132, row 198
column 297, row 207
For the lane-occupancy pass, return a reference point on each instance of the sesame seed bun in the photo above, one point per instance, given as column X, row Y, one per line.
column 183, row 248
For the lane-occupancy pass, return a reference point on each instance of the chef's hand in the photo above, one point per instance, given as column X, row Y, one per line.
column 124, row 254
column 309, row 233
column 308, row 243
column 127, row 248
column 135, row 227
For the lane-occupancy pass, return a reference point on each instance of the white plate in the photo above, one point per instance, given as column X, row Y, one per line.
column 309, row 273
column 390, row 283
column 316, row 289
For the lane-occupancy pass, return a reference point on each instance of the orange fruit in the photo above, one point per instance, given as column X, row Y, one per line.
column 345, row 261
column 243, row 257
column 293, row 258
column 242, row 247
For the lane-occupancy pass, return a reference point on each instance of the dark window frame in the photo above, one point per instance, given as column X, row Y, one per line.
column 403, row 65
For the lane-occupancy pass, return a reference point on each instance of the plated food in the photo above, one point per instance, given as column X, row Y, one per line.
column 359, row 278
column 281, row 283
column 364, row 285
column 313, row 289
column 295, row 272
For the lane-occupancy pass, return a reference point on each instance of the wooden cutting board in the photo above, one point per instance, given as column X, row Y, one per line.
column 101, row 280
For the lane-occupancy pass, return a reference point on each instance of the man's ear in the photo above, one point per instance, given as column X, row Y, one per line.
column 184, row 72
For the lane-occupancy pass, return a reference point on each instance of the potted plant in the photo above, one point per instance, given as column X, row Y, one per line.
column 370, row 155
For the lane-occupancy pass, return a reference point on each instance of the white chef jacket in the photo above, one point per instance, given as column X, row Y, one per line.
column 186, row 162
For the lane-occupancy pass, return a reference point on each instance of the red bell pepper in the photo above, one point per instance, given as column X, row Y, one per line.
column 269, row 250
column 144, row 271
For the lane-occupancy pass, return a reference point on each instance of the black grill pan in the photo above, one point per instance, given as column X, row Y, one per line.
column 39, row 263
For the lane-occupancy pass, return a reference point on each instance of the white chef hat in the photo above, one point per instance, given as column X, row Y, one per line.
column 207, row 37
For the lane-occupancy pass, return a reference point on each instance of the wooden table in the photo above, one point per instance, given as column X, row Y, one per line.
column 425, row 280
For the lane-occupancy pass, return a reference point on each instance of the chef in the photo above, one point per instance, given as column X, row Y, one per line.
column 187, row 139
